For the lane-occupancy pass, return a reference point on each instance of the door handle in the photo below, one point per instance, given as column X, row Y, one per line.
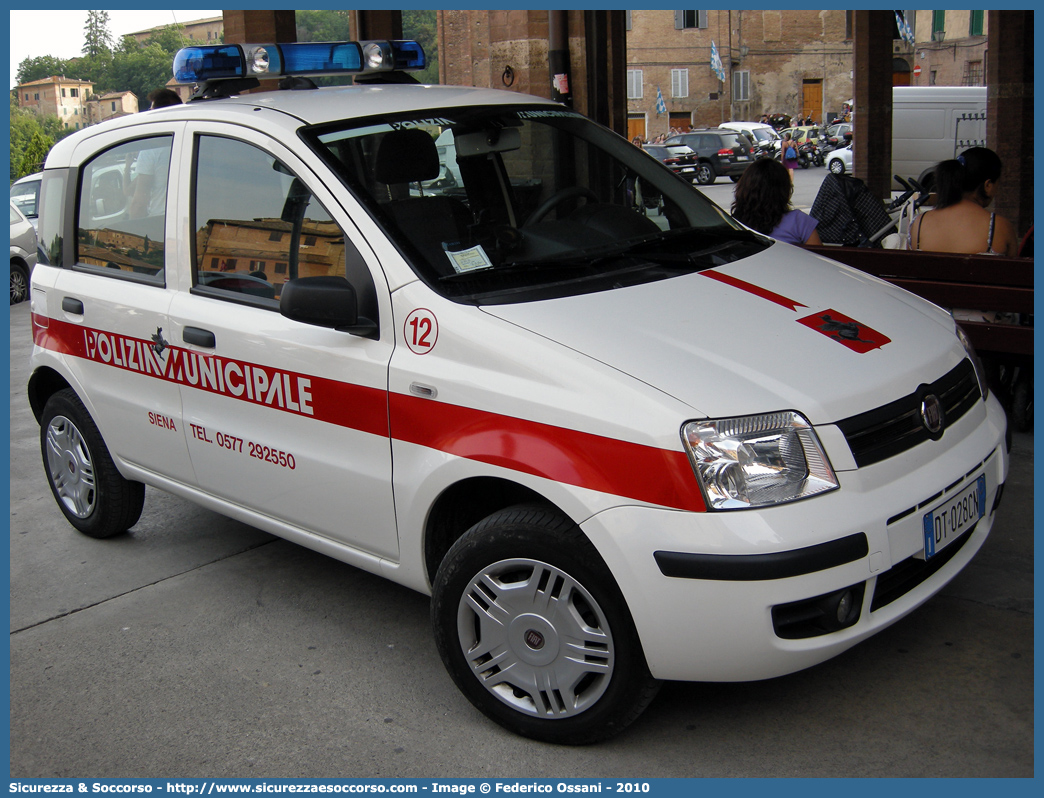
column 199, row 337
column 72, row 305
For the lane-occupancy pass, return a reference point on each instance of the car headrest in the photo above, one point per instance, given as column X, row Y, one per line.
column 406, row 156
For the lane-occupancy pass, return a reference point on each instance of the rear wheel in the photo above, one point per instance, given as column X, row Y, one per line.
column 19, row 283
column 92, row 494
column 534, row 631
column 705, row 174
column 837, row 166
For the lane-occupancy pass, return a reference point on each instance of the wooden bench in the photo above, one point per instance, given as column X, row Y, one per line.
column 983, row 282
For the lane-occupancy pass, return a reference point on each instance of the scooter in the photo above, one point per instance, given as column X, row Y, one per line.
column 810, row 155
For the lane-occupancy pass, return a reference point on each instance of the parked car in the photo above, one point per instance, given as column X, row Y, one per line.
column 719, row 153
column 25, row 194
column 802, row 134
column 679, row 158
column 757, row 132
column 23, row 254
column 612, row 453
column 839, row 162
column 834, row 135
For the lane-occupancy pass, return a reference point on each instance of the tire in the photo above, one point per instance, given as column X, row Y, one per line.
column 523, row 583
column 705, row 174
column 1022, row 402
column 89, row 490
column 19, row 283
column 734, row 178
column 837, row 166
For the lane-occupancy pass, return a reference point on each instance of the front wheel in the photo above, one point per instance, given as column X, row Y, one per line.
column 92, row 494
column 535, row 632
column 837, row 166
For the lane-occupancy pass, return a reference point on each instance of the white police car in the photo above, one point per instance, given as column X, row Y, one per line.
column 615, row 448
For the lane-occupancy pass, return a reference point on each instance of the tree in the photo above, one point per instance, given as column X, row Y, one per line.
column 35, row 154
column 97, row 38
column 38, row 68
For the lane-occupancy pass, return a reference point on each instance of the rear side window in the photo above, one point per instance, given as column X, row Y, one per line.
column 122, row 207
column 256, row 224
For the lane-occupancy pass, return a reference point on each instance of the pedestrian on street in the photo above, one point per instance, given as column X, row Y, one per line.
column 788, row 154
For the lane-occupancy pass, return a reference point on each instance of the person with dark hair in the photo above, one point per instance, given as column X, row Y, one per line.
column 959, row 222
column 788, row 154
column 762, row 202
column 162, row 98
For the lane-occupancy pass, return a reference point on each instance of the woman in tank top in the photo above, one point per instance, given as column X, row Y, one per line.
column 959, row 222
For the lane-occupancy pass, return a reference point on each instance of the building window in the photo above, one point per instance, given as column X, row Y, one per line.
column 627, row 20
column 938, row 26
column 74, row 92
column 63, row 92
column 741, row 86
column 690, row 19
column 973, row 73
column 634, row 84
column 114, row 106
column 975, row 24
column 276, row 236
column 36, row 97
column 679, row 83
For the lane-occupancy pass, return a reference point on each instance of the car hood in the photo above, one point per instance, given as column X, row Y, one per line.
column 781, row 330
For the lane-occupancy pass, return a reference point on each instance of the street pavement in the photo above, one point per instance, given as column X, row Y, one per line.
column 195, row 646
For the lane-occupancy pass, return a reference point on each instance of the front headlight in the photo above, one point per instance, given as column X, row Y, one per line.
column 980, row 370
column 757, row 461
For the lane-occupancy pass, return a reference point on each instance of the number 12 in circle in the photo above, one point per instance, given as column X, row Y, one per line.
column 421, row 331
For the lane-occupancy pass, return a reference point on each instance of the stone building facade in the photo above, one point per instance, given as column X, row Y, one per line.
column 950, row 48
column 58, row 96
column 774, row 62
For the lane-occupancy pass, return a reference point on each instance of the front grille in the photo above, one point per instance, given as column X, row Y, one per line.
column 896, row 427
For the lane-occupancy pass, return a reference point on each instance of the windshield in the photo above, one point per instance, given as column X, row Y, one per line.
column 494, row 205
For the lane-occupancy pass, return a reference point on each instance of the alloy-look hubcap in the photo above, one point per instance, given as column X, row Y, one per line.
column 70, row 467
column 535, row 638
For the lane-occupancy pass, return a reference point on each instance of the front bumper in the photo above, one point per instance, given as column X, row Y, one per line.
column 702, row 587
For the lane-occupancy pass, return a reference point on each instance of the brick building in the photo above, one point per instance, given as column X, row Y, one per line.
column 108, row 106
column 774, row 61
column 950, row 48
column 58, row 96
column 204, row 31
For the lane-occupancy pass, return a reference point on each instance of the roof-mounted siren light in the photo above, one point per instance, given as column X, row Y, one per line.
column 231, row 61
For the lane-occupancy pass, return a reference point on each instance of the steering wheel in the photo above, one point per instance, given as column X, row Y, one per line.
column 556, row 199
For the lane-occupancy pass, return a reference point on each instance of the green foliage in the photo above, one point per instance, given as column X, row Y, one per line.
column 39, row 68
column 35, row 154
column 97, row 38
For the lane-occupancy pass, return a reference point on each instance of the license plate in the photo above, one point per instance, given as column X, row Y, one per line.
column 952, row 519
column 742, row 157
column 689, row 169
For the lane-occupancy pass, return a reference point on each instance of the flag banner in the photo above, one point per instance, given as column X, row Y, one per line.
column 715, row 62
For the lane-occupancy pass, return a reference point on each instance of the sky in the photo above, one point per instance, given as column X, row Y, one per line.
column 60, row 33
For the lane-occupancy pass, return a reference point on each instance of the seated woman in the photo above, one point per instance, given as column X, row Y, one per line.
column 959, row 222
column 762, row 202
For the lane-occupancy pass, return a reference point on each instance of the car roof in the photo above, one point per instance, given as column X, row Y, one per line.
column 28, row 178
column 290, row 110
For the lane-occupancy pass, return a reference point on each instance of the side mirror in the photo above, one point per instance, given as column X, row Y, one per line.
column 325, row 301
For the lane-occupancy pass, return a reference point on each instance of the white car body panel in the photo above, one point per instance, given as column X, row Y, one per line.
column 579, row 400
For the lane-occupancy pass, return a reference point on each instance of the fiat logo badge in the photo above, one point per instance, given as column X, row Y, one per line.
column 932, row 414
column 534, row 639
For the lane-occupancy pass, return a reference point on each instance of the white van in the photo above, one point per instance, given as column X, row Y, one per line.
column 934, row 123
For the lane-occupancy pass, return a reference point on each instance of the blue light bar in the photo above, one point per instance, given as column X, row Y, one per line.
column 217, row 62
column 193, row 64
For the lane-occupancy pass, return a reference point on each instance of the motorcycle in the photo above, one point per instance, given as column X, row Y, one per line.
column 809, row 155
column 764, row 149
